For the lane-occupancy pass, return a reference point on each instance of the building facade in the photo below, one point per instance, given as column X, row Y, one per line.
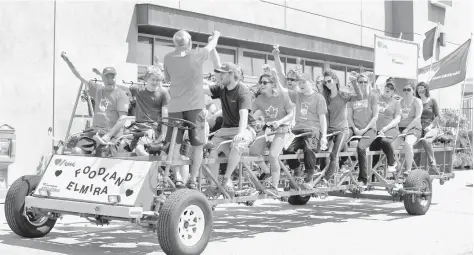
column 38, row 90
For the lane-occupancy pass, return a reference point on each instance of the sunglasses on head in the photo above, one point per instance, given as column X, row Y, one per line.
column 265, row 82
column 407, row 90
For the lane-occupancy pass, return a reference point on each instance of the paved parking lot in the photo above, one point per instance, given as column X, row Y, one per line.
column 336, row 225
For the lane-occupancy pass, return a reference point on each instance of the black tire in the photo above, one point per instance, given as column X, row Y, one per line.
column 170, row 217
column 298, row 200
column 417, row 180
column 15, row 205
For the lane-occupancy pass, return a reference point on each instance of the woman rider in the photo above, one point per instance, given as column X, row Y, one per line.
column 410, row 124
column 387, row 125
column 277, row 110
column 336, row 100
column 429, row 120
column 362, row 117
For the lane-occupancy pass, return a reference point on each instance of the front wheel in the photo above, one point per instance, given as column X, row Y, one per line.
column 418, row 180
column 185, row 223
column 22, row 222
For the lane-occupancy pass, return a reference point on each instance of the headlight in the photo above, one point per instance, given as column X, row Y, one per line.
column 44, row 192
column 114, row 199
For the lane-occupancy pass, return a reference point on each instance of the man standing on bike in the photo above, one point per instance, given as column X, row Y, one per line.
column 111, row 107
column 183, row 67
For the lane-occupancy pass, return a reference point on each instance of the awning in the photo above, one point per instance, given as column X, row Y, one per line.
column 159, row 20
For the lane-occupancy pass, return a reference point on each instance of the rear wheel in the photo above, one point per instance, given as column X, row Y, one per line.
column 417, row 180
column 185, row 223
column 298, row 200
column 22, row 222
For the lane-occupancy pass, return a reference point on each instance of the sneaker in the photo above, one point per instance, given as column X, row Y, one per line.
column 391, row 169
column 361, row 184
column 229, row 187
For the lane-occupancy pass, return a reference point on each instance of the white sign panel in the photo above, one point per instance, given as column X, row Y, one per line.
column 395, row 58
column 94, row 179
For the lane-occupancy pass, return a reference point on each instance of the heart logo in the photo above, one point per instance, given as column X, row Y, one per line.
column 129, row 192
column 58, row 161
column 58, row 173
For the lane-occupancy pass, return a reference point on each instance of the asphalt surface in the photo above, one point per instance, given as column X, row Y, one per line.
column 336, row 225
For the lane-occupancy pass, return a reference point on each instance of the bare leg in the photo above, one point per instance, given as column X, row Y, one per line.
column 197, row 159
column 408, row 149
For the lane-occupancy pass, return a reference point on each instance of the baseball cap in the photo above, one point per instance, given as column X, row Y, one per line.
column 228, row 67
column 108, row 70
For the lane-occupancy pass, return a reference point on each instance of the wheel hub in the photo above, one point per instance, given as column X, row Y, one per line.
column 191, row 225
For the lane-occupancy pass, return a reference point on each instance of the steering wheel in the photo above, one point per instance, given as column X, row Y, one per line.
column 179, row 123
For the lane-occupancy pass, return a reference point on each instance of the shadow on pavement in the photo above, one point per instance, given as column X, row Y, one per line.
column 229, row 222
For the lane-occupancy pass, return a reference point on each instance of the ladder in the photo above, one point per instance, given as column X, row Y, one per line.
column 82, row 92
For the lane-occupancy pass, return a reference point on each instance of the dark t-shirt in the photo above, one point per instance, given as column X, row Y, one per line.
column 108, row 105
column 430, row 111
column 232, row 101
column 337, row 117
column 149, row 104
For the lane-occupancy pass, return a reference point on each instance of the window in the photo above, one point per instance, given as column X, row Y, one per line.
column 340, row 72
column 271, row 62
column 291, row 64
column 349, row 70
column 162, row 47
column 144, row 51
column 315, row 69
column 252, row 63
column 226, row 55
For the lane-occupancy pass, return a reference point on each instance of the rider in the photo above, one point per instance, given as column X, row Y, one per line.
column 410, row 124
column 152, row 104
column 387, row 125
column 362, row 116
column 111, row 107
column 429, row 120
column 277, row 110
column 310, row 116
column 288, row 81
column 183, row 67
column 336, row 99
column 238, row 124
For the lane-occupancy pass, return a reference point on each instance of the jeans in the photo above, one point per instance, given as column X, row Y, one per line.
column 310, row 146
column 335, row 142
column 385, row 144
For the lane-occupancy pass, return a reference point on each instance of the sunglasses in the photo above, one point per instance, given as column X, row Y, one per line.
column 363, row 82
column 390, row 87
column 290, row 79
column 407, row 90
column 328, row 81
column 266, row 82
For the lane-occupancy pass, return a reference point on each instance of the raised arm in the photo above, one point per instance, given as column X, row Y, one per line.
column 73, row 68
column 213, row 41
column 279, row 66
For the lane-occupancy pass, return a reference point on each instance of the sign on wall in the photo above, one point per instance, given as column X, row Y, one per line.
column 395, row 57
column 94, row 179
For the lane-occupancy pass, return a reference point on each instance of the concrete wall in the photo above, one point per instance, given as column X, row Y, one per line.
column 94, row 34
column 26, row 79
column 353, row 22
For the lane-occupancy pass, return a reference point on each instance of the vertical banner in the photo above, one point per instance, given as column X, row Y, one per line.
column 395, row 57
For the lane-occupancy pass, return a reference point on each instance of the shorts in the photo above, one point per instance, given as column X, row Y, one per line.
column 225, row 134
column 413, row 131
column 197, row 135
column 259, row 146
